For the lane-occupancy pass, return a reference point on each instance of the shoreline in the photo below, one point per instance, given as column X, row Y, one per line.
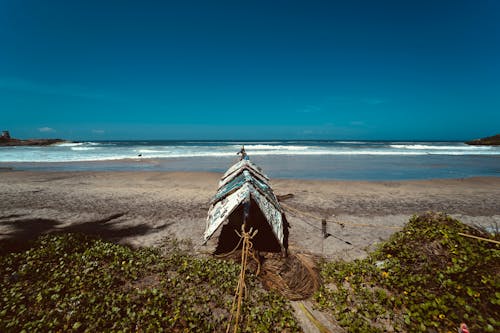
column 142, row 208
column 328, row 167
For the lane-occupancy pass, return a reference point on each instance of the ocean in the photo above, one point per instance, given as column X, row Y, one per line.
column 343, row 160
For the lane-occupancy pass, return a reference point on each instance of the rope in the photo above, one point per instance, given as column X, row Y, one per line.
column 480, row 238
column 241, row 287
column 326, row 235
column 307, row 214
column 342, row 224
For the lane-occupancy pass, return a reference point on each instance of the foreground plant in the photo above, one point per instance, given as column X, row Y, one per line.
column 74, row 283
column 425, row 278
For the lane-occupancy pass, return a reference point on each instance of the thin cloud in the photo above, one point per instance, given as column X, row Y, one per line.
column 98, row 131
column 46, row 129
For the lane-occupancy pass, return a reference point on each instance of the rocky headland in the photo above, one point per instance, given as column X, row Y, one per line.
column 488, row 141
column 6, row 140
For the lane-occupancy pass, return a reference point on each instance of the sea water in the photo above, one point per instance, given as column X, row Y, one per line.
column 349, row 160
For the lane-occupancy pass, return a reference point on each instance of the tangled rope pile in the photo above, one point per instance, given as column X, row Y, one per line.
column 295, row 277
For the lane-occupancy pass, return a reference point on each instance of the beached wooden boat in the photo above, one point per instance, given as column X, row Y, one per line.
column 244, row 197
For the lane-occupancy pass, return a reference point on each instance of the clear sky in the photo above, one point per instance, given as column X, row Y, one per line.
column 250, row 69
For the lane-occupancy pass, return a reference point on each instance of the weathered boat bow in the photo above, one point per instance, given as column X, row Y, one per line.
column 245, row 197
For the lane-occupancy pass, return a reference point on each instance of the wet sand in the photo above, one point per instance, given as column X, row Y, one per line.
column 144, row 208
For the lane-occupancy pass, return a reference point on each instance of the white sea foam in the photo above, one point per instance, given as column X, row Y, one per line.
column 438, row 147
column 83, row 148
column 76, row 144
column 336, row 152
column 150, row 151
column 69, row 144
column 105, row 151
column 275, row 147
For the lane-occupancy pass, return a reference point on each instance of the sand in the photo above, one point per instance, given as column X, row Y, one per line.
column 145, row 208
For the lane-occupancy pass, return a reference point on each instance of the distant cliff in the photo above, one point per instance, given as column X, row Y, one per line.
column 6, row 140
column 488, row 141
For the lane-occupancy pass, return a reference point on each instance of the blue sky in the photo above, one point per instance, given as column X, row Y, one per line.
column 250, row 69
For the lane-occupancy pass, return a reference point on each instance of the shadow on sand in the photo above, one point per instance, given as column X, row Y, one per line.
column 24, row 231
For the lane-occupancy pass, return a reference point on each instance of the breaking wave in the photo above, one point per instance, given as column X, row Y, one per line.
column 438, row 147
column 275, row 147
column 117, row 150
column 83, row 148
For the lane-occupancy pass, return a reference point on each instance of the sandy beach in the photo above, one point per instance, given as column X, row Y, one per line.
column 143, row 208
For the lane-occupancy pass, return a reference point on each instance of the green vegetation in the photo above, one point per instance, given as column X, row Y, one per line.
column 426, row 278
column 73, row 283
